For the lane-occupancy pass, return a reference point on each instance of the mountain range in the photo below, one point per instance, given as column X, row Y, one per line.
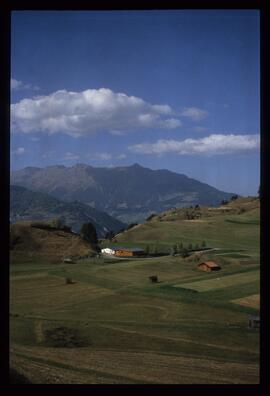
column 31, row 205
column 129, row 193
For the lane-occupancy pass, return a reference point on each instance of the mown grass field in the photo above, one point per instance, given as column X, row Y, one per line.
column 111, row 325
column 223, row 282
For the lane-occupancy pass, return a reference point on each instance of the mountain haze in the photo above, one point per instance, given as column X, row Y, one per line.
column 30, row 205
column 128, row 193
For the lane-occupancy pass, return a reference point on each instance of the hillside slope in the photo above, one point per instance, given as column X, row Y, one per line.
column 48, row 244
column 232, row 226
column 30, row 205
column 129, row 193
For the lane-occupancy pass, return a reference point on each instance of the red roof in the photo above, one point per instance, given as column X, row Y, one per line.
column 210, row 264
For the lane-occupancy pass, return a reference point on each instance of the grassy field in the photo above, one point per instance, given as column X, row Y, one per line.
column 112, row 325
column 223, row 281
column 231, row 232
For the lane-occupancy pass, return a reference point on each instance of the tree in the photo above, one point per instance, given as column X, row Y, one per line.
column 155, row 251
column 234, row 197
column 173, row 250
column 184, row 253
column 147, row 250
column 203, row 244
column 190, row 246
column 88, row 233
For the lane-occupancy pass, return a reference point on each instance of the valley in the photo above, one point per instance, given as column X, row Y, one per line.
column 111, row 325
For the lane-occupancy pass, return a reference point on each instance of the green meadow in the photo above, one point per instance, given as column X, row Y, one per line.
column 112, row 325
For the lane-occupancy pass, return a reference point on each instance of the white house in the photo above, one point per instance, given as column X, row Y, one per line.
column 108, row 251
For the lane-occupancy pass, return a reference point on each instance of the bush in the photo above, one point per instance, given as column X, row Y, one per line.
column 69, row 281
column 184, row 253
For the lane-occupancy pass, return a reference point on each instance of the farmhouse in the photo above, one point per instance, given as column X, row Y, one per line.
column 209, row 266
column 123, row 251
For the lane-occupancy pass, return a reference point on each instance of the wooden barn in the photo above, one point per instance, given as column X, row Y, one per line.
column 128, row 252
column 209, row 266
column 123, row 251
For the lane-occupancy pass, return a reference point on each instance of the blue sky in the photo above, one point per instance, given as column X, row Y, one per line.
column 166, row 89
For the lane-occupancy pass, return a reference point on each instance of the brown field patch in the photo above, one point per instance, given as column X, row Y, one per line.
column 85, row 365
column 252, row 301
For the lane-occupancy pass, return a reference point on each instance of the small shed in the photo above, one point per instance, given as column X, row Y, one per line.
column 254, row 322
column 209, row 266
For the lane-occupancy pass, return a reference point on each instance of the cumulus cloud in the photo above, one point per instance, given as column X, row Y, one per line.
column 84, row 113
column 194, row 113
column 210, row 145
column 18, row 151
column 15, row 85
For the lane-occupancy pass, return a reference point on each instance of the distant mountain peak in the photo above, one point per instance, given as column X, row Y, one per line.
column 136, row 165
column 129, row 193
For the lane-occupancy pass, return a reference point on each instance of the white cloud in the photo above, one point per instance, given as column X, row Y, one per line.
column 210, row 145
column 18, row 151
column 121, row 156
column 194, row 113
column 105, row 156
column 70, row 157
column 84, row 113
column 15, row 85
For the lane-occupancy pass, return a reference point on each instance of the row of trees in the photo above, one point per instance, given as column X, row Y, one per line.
column 184, row 250
column 176, row 249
